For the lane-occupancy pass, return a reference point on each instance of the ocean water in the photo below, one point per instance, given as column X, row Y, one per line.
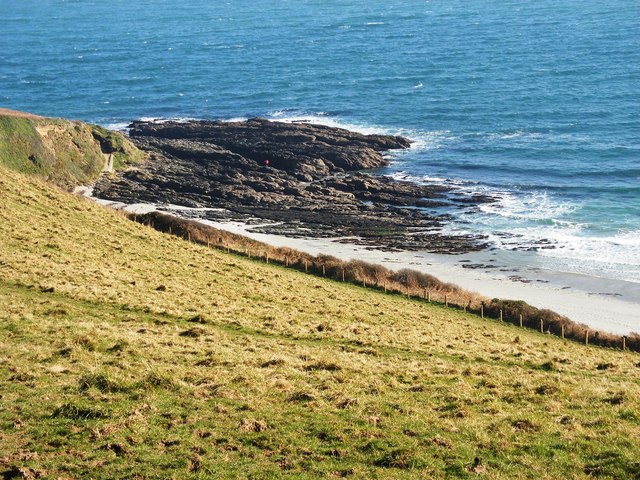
column 537, row 103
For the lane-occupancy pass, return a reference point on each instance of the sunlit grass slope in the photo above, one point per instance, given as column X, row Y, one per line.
column 65, row 152
column 126, row 353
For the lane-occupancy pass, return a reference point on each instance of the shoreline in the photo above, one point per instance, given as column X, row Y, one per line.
column 299, row 178
column 584, row 299
column 592, row 301
column 587, row 300
column 313, row 194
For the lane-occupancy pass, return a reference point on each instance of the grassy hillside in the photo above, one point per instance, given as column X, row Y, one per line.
column 128, row 353
column 66, row 153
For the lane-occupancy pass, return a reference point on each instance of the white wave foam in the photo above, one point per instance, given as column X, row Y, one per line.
column 168, row 119
column 421, row 139
column 425, row 179
column 513, row 135
column 527, row 136
column 538, row 221
column 427, row 140
column 622, row 248
column 614, row 257
column 235, row 119
column 569, row 249
column 534, row 206
column 118, row 126
column 322, row 118
column 124, row 126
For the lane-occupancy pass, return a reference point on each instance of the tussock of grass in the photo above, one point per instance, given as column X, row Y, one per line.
column 101, row 382
column 157, row 380
column 96, row 380
column 78, row 412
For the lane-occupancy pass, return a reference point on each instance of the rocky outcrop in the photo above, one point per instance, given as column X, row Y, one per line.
column 306, row 180
column 305, row 151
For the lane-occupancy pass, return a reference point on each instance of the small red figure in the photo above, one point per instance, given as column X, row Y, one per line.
column 266, row 163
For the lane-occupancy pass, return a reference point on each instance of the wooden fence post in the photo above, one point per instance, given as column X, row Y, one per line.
column 266, row 255
column 286, row 261
column 385, row 287
column 364, row 282
column 482, row 310
column 324, row 271
column 500, row 314
column 541, row 326
column 189, row 235
column 446, row 302
column 343, row 274
column 586, row 338
column 624, row 343
column 562, row 330
column 207, row 242
column 520, row 317
column 429, row 297
column 306, row 267
column 169, row 229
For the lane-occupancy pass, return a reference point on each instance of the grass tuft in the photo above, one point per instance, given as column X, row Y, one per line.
column 101, row 382
column 401, row 458
column 79, row 412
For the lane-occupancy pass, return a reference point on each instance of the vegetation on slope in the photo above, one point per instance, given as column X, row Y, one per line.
column 405, row 281
column 125, row 352
column 66, row 153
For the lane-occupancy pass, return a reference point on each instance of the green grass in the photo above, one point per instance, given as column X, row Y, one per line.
column 65, row 153
column 128, row 353
column 124, row 152
column 18, row 142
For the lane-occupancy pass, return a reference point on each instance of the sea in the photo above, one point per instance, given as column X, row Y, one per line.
column 534, row 103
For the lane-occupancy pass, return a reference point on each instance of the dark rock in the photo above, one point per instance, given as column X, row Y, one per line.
column 312, row 185
column 302, row 148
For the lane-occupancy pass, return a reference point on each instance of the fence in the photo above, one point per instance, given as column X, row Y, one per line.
column 410, row 283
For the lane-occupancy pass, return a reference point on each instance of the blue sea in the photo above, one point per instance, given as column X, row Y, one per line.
column 536, row 103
